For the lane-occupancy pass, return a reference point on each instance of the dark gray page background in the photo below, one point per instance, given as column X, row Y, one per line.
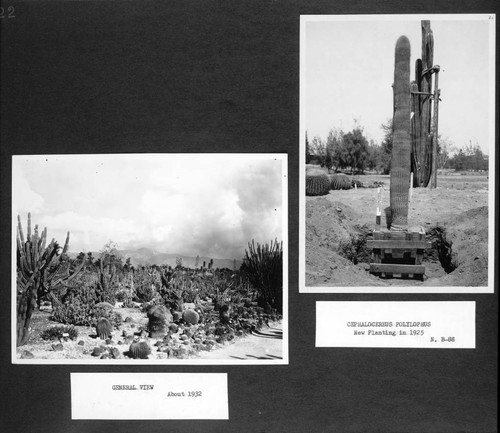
column 215, row 76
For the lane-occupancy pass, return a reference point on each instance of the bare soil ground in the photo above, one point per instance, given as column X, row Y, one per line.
column 254, row 346
column 338, row 223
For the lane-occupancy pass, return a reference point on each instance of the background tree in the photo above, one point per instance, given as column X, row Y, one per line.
column 334, row 146
column 110, row 256
column 356, row 149
column 445, row 148
column 386, row 154
column 328, row 159
column 308, row 150
column 318, row 151
column 375, row 160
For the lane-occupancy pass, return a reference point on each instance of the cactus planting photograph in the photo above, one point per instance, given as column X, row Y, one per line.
column 397, row 154
column 149, row 258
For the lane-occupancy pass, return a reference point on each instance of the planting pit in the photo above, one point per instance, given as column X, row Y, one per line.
column 454, row 216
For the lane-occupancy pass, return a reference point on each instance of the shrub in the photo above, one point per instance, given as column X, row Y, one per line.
column 354, row 248
column 58, row 332
column 80, row 306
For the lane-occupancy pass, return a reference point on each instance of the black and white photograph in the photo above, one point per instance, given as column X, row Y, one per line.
column 248, row 216
column 397, row 150
column 149, row 258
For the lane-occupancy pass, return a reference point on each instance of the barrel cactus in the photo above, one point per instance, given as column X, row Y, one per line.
column 104, row 328
column 139, row 349
column 191, row 317
column 158, row 319
column 317, row 183
column 340, row 181
column 401, row 158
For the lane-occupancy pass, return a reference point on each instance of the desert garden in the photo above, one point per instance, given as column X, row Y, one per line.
column 85, row 309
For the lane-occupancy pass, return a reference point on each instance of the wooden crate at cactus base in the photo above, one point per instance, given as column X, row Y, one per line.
column 398, row 253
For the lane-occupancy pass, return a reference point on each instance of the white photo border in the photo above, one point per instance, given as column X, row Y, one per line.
column 491, row 19
column 283, row 157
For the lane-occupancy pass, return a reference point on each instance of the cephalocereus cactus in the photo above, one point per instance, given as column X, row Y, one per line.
column 340, row 181
column 104, row 328
column 317, row 183
column 158, row 319
column 139, row 349
column 400, row 165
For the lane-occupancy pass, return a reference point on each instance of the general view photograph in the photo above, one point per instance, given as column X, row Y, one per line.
column 149, row 258
column 397, row 151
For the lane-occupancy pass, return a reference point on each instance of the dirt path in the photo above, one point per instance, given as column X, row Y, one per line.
column 266, row 344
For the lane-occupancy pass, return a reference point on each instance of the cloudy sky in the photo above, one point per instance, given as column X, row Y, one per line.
column 347, row 69
column 206, row 204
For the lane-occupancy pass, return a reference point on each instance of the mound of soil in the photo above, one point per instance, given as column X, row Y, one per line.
column 338, row 224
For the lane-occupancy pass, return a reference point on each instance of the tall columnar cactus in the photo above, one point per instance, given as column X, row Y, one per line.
column 39, row 270
column 317, row 183
column 104, row 328
column 400, row 165
column 106, row 282
column 263, row 265
column 421, row 156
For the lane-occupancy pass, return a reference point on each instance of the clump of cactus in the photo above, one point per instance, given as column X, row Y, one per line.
column 40, row 269
column 104, row 328
column 139, row 349
column 400, row 165
column 158, row 319
column 317, row 183
column 107, row 284
column 59, row 332
column 147, row 282
column 357, row 183
column 340, row 181
column 191, row 317
column 263, row 265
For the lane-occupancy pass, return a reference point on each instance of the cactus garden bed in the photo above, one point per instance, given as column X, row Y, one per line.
column 454, row 215
column 208, row 339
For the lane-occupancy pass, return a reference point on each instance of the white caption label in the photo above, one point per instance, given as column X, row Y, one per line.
column 396, row 324
column 149, row 396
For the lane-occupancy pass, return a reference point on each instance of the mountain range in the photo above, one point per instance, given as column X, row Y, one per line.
column 147, row 256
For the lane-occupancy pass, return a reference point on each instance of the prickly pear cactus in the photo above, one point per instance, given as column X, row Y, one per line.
column 317, row 183
column 400, row 165
column 191, row 317
column 158, row 319
column 340, row 181
column 104, row 328
column 139, row 350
